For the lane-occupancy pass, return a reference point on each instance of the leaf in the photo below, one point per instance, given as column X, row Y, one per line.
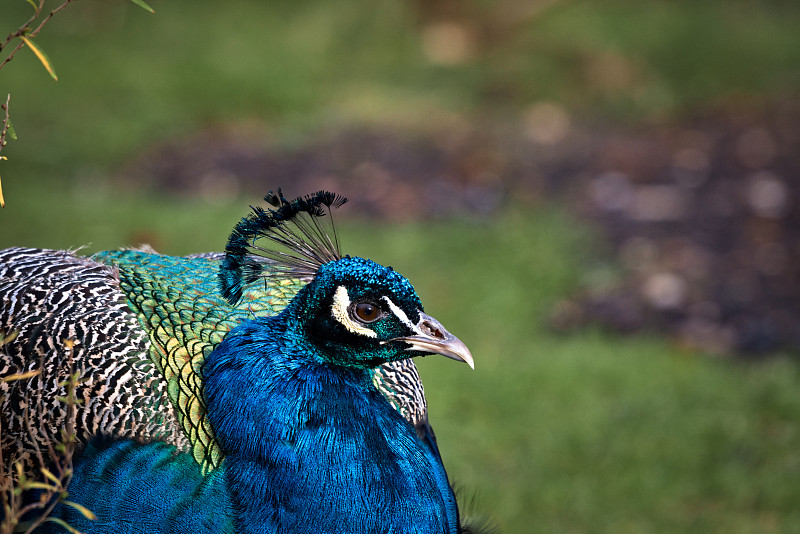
column 20, row 472
column 40, row 485
column 11, row 336
column 41, row 55
column 85, row 512
column 143, row 5
column 20, row 376
column 63, row 523
column 10, row 130
column 32, row 3
column 50, row 475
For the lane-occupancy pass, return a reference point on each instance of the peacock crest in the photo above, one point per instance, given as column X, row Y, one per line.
column 299, row 242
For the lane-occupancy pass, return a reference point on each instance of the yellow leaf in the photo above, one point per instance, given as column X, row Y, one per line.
column 88, row 514
column 50, row 475
column 63, row 524
column 40, row 485
column 20, row 376
column 5, row 339
column 41, row 55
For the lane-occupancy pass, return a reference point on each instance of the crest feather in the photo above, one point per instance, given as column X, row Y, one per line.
column 297, row 245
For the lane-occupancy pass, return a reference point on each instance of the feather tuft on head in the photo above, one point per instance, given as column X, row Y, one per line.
column 298, row 242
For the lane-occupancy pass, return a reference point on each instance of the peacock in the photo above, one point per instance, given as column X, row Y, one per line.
column 269, row 388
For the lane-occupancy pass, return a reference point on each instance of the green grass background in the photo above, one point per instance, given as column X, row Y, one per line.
column 586, row 433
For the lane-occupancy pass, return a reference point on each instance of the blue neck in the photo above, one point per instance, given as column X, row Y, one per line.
column 314, row 447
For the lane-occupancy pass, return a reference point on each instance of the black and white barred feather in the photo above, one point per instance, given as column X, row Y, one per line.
column 67, row 314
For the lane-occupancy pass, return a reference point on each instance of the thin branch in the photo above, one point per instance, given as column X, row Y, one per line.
column 4, row 129
column 24, row 29
column 3, row 132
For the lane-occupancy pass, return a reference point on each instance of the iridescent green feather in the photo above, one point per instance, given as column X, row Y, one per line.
column 178, row 303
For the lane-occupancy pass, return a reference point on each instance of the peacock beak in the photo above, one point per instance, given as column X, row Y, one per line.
column 434, row 338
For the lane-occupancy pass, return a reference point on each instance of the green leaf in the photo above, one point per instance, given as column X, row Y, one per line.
column 32, row 3
column 41, row 55
column 85, row 512
column 10, row 130
column 63, row 523
column 143, row 5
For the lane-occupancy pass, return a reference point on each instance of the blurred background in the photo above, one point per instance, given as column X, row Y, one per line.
column 602, row 199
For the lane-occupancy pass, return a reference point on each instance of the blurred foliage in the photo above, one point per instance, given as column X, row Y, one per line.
column 24, row 36
column 129, row 78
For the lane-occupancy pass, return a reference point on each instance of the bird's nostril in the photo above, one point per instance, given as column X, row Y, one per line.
column 432, row 330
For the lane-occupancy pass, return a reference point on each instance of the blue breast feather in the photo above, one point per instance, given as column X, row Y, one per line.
column 306, row 432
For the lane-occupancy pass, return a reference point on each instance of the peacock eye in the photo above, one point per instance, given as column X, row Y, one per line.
column 367, row 312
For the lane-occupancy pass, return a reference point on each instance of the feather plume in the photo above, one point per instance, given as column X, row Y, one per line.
column 297, row 244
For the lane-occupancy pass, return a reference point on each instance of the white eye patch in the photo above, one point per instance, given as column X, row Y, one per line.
column 339, row 310
column 400, row 314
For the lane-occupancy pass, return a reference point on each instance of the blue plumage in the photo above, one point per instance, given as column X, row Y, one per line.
column 303, row 414
column 333, row 451
column 135, row 488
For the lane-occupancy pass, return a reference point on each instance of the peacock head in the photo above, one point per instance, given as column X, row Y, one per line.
column 355, row 312
column 366, row 314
